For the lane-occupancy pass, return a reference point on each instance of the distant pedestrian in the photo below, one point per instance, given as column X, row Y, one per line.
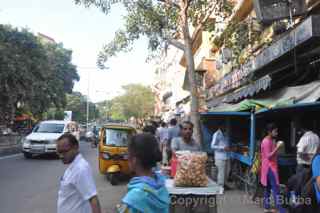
column 162, row 135
column 306, row 148
column 173, row 132
column 146, row 191
column 149, row 129
column 77, row 193
column 269, row 168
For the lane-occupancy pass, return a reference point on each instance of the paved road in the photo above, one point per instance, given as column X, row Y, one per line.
column 31, row 186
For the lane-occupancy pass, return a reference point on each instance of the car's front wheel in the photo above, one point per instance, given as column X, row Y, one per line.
column 27, row 155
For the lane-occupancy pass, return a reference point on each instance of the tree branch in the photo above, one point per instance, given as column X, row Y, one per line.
column 176, row 43
column 171, row 3
column 210, row 10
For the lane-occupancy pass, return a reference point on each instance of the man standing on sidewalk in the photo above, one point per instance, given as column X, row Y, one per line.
column 306, row 148
column 220, row 145
column 77, row 193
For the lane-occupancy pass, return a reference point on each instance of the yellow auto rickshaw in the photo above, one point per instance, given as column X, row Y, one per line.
column 113, row 150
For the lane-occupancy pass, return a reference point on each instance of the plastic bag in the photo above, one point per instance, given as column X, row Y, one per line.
column 191, row 170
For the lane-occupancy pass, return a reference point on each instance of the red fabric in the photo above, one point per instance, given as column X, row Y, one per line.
column 174, row 163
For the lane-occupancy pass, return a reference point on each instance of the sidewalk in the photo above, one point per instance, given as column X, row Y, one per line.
column 9, row 146
column 235, row 201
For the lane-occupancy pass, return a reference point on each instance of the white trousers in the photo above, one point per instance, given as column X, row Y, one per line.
column 165, row 159
column 223, row 167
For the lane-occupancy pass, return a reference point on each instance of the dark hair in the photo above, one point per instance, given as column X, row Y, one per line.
column 149, row 129
column 145, row 148
column 270, row 127
column 173, row 121
column 189, row 123
column 70, row 138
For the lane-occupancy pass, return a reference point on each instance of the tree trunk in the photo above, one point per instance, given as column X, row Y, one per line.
column 195, row 117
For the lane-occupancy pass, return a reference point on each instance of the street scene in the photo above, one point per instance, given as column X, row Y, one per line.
column 32, row 186
column 160, row 106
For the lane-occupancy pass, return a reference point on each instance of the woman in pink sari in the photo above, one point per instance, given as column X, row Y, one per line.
column 269, row 168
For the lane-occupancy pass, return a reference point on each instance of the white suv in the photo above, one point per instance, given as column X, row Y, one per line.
column 43, row 137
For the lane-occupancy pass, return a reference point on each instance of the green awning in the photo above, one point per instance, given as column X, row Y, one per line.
column 307, row 93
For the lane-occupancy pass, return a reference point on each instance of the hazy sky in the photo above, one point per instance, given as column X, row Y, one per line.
column 84, row 31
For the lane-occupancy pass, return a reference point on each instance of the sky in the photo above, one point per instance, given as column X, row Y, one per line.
column 84, row 31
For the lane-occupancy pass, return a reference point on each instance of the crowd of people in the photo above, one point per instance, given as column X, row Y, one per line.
column 147, row 191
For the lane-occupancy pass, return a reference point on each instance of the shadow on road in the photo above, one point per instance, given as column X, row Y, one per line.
column 45, row 157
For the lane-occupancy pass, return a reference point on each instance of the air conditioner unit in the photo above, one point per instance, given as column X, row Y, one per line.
column 226, row 55
column 271, row 10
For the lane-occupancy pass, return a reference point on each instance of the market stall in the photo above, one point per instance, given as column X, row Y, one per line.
column 187, row 199
column 190, row 189
column 288, row 107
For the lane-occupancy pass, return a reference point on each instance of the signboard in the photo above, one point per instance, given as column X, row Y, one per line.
column 68, row 115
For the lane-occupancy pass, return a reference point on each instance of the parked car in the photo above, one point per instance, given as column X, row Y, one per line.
column 43, row 138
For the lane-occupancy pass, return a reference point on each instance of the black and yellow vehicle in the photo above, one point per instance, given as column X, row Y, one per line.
column 113, row 150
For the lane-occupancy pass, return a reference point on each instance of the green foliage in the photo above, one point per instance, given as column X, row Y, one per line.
column 144, row 18
column 77, row 103
column 156, row 20
column 33, row 73
column 238, row 39
column 137, row 101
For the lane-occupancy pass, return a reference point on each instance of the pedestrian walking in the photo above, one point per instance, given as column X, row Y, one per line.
column 77, row 192
column 146, row 191
column 315, row 167
column 162, row 135
column 269, row 168
column 149, row 129
column 305, row 188
column 221, row 146
column 173, row 132
column 306, row 148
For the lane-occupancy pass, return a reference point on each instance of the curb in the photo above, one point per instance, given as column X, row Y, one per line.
column 10, row 150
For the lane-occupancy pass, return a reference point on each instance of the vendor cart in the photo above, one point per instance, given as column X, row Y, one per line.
column 246, row 131
column 193, row 199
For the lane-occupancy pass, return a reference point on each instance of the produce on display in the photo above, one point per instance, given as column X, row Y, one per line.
column 191, row 170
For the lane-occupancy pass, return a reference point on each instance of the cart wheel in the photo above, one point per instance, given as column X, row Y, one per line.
column 113, row 179
column 252, row 184
column 236, row 172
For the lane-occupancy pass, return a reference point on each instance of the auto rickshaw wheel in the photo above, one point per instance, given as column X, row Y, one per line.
column 113, row 178
column 236, row 173
column 27, row 155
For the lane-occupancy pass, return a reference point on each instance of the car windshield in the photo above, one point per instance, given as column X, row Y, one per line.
column 49, row 128
column 116, row 137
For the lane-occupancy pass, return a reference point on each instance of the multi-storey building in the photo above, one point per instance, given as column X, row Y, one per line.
column 267, row 56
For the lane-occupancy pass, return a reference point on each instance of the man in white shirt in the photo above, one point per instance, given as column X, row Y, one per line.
column 77, row 192
column 221, row 147
column 186, row 141
column 306, row 148
column 162, row 135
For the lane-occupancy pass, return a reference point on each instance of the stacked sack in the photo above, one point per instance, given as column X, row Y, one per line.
column 191, row 170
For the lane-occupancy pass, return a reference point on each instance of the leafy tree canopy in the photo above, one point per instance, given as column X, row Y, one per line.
column 159, row 21
column 77, row 103
column 137, row 101
column 33, row 74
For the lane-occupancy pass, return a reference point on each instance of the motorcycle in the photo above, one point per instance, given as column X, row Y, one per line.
column 92, row 139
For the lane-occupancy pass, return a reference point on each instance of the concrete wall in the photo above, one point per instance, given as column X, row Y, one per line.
column 10, row 144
